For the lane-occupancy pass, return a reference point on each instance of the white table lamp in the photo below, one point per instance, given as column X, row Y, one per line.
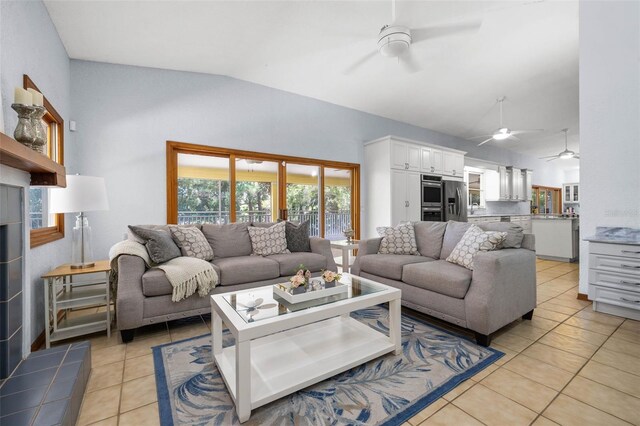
column 82, row 194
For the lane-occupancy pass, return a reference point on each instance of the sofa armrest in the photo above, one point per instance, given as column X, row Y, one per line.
column 323, row 246
column 503, row 288
column 130, row 298
column 369, row 246
column 529, row 242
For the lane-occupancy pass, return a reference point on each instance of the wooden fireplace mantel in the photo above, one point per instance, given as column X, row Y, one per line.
column 43, row 170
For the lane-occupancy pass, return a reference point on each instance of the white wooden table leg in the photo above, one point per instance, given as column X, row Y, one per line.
column 216, row 333
column 106, row 283
column 243, row 380
column 47, row 315
column 395, row 334
column 345, row 259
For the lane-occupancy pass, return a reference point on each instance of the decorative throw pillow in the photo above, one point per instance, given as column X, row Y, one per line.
column 297, row 236
column 158, row 243
column 192, row 242
column 267, row 241
column 398, row 240
column 473, row 241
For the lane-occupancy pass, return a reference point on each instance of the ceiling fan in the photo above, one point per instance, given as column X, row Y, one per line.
column 395, row 41
column 503, row 132
column 566, row 154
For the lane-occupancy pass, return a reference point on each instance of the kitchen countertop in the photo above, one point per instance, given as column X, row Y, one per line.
column 553, row 217
column 495, row 215
column 615, row 235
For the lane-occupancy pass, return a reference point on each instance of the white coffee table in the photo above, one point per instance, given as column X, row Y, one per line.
column 281, row 348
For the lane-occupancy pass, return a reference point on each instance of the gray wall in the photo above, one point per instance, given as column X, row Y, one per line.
column 126, row 114
column 609, row 118
column 30, row 45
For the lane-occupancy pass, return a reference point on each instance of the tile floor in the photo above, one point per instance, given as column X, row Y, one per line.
column 568, row 366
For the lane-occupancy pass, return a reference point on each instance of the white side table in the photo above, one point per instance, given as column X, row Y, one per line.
column 63, row 292
column 346, row 247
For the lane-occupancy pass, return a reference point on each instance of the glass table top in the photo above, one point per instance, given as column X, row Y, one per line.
column 261, row 303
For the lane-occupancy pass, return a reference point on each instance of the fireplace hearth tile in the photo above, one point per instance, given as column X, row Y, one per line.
column 10, row 242
column 28, row 381
column 20, row 418
column 22, row 400
column 51, row 414
column 11, row 279
column 40, row 363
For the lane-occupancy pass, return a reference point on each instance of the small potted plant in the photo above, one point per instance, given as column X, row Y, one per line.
column 300, row 280
column 330, row 278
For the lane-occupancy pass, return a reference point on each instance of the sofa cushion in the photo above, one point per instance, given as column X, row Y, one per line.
column 245, row 269
column 472, row 242
column 289, row 262
column 268, row 241
column 453, row 234
column 159, row 244
column 192, row 242
column 515, row 233
column 429, row 237
column 439, row 276
column 398, row 240
column 389, row 265
column 155, row 282
column 133, row 237
column 229, row 240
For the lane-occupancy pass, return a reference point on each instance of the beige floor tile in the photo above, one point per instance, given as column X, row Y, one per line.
column 188, row 332
column 140, row 347
column 550, row 315
column 569, row 344
column 594, row 326
column 427, row 412
column 618, row 360
column 543, row 323
column 570, row 412
column 543, row 277
column 550, row 306
column 528, row 331
column 138, row 367
column 541, row 372
column 556, row 357
column 99, row 405
column 512, row 341
column 632, row 336
column 107, row 355
column 612, row 377
column 590, row 314
column 524, row 391
column 484, row 373
column 605, row 399
column 632, row 325
column 143, row 416
column 508, row 354
column 111, row 421
column 569, row 302
column 105, row 376
column 458, row 390
column 621, row 345
column 100, row 340
column 543, row 421
column 451, row 415
column 491, row 408
column 138, row 392
column 596, row 339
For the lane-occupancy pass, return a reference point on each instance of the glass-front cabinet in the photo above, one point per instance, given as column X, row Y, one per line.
column 571, row 193
column 546, row 200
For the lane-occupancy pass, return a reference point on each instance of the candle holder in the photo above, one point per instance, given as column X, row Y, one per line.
column 24, row 130
column 39, row 134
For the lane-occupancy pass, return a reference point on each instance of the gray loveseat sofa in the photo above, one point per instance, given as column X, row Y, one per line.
column 500, row 289
column 144, row 294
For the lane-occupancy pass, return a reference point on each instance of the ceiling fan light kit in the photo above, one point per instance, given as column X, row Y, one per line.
column 501, row 134
column 394, row 40
column 567, row 154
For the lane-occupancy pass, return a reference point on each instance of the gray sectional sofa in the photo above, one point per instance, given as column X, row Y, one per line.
column 500, row 289
column 144, row 294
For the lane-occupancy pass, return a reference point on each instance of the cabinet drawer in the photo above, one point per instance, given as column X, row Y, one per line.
column 614, row 297
column 615, row 249
column 612, row 280
column 616, row 264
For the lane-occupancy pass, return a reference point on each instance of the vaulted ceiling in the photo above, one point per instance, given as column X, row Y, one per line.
column 524, row 50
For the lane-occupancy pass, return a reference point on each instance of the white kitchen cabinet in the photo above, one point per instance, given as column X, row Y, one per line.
column 571, row 192
column 431, row 161
column 405, row 196
column 453, row 164
column 527, row 182
column 436, row 161
column 405, row 156
column 516, row 184
column 505, row 183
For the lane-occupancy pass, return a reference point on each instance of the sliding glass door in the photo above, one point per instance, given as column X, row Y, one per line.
column 337, row 202
column 256, row 190
column 303, row 195
column 203, row 189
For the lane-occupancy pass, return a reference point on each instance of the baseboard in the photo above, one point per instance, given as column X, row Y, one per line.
column 40, row 341
column 582, row 296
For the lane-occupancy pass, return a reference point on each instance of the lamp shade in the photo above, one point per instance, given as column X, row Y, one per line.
column 82, row 194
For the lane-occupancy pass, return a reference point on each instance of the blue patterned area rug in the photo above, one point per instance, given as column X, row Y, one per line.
column 385, row 391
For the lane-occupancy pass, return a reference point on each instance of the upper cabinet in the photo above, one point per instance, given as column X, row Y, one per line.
column 571, row 193
column 405, row 156
column 431, row 160
column 453, row 164
column 419, row 157
column 514, row 183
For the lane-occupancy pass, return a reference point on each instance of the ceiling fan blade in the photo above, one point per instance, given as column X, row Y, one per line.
column 517, row 132
column 513, row 138
column 478, row 137
column 483, row 142
column 548, row 156
column 438, row 31
column 577, row 156
column 409, row 62
column 357, row 64
column 551, row 159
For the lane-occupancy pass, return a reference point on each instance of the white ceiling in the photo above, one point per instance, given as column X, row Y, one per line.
column 526, row 50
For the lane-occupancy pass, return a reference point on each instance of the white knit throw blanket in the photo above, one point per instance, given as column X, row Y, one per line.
column 186, row 274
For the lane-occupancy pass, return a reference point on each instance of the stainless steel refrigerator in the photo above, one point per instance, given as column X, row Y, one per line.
column 454, row 201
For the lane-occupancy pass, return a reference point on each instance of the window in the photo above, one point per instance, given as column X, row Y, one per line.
column 475, row 180
column 46, row 227
column 203, row 182
column 545, row 200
